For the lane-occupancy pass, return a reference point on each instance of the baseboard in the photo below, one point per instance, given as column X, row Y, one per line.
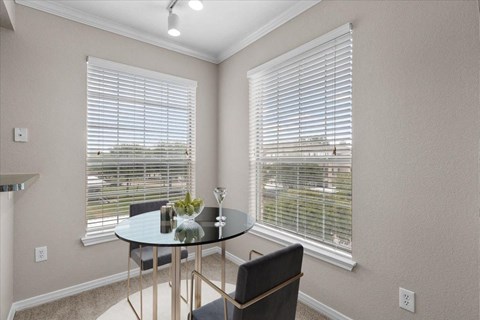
column 206, row 252
column 76, row 289
column 320, row 307
column 11, row 314
column 82, row 287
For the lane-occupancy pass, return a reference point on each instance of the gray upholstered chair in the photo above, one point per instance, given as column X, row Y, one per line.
column 143, row 255
column 266, row 289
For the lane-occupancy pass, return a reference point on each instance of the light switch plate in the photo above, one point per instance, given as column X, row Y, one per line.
column 20, row 135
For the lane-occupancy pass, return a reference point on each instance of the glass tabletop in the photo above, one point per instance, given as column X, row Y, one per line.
column 149, row 229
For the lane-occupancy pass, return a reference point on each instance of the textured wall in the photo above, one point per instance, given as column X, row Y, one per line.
column 43, row 88
column 415, row 161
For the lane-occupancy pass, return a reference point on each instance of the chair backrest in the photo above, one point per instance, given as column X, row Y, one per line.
column 142, row 207
column 262, row 274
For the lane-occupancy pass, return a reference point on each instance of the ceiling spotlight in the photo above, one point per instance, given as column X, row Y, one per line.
column 196, row 4
column 173, row 23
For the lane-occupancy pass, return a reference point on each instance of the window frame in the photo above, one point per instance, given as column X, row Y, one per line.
column 315, row 249
column 148, row 79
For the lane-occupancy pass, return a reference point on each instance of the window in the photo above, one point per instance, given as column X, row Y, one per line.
column 301, row 142
column 141, row 140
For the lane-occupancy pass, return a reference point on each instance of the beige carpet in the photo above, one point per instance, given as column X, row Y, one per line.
column 122, row 309
column 93, row 304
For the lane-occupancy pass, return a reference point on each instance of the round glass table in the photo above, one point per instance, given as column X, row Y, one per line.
column 156, row 230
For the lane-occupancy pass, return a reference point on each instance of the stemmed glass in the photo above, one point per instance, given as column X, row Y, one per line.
column 220, row 193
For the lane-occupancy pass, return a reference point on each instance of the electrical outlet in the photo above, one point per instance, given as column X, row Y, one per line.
column 407, row 299
column 40, row 254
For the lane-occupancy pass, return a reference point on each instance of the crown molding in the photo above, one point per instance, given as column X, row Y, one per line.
column 288, row 15
column 60, row 10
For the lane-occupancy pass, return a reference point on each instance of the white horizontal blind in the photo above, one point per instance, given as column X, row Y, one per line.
column 301, row 141
column 141, row 140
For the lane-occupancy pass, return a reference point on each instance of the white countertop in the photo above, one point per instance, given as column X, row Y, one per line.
column 16, row 182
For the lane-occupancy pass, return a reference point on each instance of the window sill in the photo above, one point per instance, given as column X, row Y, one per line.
column 98, row 237
column 318, row 251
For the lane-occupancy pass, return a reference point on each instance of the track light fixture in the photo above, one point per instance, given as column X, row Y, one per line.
column 174, row 20
column 173, row 23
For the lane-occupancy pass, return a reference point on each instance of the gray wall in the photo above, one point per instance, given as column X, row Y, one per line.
column 43, row 88
column 415, row 162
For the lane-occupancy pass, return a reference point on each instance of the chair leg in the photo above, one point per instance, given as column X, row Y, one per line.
column 128, row 274
column 186, row 278
column 225, row 309
column 141, row 284
column 128, row 286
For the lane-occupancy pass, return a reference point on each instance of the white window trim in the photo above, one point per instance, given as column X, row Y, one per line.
column 141, row 72
column 97, row 238
column 107, row 235
column 299, row 51
column 315, row 250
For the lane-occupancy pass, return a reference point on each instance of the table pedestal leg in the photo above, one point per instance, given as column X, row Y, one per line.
column 155, row 281
column 223, row 265
column 176, row 254
column 198, row 282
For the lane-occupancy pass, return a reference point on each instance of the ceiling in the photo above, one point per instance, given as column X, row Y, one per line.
column 215, row 33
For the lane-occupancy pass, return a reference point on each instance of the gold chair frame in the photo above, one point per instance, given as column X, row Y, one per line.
column 228, row 298
column 140, row 317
